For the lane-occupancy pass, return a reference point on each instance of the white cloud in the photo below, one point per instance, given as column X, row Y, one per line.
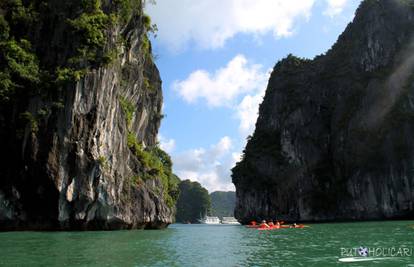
column 247, row 112
column 236, row 157
column 211, row 166
column 335, row 7
column 239, row 85
column 220, row 149
column 168, row 145
column 222, row 87
column 210, row 23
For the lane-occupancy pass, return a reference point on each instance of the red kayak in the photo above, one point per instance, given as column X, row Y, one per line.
column 280, row 227
column 270, row 228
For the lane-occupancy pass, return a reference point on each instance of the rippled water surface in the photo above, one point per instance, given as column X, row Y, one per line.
column 203, row 245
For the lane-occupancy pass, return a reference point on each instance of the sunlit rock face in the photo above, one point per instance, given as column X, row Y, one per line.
column 333, row 140
column 76, row 169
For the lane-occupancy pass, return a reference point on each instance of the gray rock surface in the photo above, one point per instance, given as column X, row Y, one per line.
column 333, row 140
column 76, row 171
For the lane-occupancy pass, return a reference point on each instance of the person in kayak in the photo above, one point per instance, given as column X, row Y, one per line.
column 277, row 225
column 271, row 224
column 264, row 224
column 254, row 223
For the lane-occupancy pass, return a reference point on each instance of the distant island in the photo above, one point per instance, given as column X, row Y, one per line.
column 194, row 203
column 223, row 203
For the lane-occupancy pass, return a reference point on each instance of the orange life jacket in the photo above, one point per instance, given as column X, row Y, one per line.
column 264, row 225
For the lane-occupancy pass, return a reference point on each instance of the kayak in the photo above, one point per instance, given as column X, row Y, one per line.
column 270, row 228
column 300, row 226
column 281, row 227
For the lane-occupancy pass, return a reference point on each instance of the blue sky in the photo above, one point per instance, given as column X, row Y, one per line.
column 215, row 58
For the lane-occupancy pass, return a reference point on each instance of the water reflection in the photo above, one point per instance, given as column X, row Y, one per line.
column 119, row 248
column 203, row 245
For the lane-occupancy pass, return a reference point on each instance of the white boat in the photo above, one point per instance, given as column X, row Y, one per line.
column 209, row 220
column 230, row 220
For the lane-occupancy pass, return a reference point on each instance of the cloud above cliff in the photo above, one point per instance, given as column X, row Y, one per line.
column 240, row 86
column 247, row 112
column 209, row 166
column 210, row 23
column 223, row 86
column 335, row 7
column 168, row 145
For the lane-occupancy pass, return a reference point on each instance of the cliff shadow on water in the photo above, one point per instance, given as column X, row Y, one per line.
column 80, row 110
column 333, row 140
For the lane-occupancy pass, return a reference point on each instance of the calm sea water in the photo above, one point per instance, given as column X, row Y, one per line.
column 202, row 245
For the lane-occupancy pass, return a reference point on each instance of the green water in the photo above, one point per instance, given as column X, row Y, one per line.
column 202, row 245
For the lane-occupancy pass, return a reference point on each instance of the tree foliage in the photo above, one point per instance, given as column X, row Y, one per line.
column 84, row 24
column 194, row 202
column 19, row 66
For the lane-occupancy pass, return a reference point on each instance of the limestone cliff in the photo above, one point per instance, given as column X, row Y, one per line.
column 78, row 129
column 333, row 140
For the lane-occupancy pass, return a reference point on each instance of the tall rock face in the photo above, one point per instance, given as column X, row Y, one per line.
column 333, row 140
column 80, row 110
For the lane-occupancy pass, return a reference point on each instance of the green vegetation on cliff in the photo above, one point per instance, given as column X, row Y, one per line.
column 155, row 162
column 194, row 202
column 84, row 25
column 19, row 65
column 32, row 66
column 58, row 56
